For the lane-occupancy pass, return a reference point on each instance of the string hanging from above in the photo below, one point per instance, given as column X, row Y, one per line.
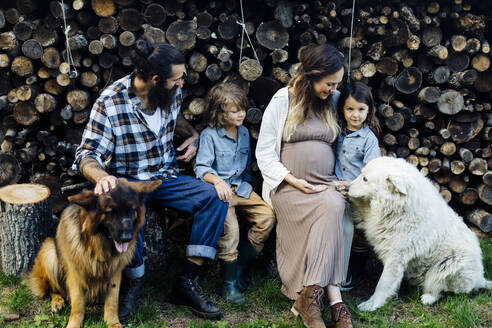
column 350, row 43
column 66, row 29
column 243, row 25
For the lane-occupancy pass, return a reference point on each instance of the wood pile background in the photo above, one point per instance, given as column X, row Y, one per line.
column 427, row 62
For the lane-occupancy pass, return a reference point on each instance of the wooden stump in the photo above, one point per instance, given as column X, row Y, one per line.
column 26, row 222
column 154, row 251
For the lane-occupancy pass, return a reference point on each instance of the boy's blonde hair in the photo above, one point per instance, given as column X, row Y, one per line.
column 219, row 97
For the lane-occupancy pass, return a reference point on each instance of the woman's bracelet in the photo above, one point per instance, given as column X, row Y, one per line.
column 219, row 182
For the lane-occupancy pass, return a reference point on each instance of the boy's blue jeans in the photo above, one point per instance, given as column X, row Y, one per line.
column 191, row 195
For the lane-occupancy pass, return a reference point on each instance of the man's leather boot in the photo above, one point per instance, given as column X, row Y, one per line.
column 130, row 291
column 186, row 292
column 340, row 315
column 308, row 306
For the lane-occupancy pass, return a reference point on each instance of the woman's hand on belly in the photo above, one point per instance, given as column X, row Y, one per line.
column 303, row 185
column 320, row 187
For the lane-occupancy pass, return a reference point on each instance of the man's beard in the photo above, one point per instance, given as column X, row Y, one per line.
column 160, row 96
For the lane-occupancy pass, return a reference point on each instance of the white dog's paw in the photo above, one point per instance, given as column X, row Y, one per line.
column 428, row 299
column 369, row 305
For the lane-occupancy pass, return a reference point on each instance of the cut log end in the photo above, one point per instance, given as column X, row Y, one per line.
column 182, row 34
column 21, row 194
column 250, row 69
column 409, row 80
column 272, row 35
column 481, row 218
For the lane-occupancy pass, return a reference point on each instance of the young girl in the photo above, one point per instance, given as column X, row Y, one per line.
column 224, row 159
column 357, row 145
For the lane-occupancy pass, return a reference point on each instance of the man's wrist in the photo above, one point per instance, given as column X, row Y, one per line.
column 104, row 177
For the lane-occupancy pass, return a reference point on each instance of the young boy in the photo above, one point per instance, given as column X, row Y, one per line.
column 224, row 159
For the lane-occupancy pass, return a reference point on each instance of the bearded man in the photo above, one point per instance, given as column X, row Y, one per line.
column 130, row 134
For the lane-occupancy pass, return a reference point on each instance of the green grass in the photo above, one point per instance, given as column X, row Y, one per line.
column 18, row 300
column 8, row 280
column 464, row 314
column 266, row 307
column 267, row 294
column 487, row 256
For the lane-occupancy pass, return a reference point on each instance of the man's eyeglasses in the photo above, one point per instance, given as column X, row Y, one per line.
column 183, row 77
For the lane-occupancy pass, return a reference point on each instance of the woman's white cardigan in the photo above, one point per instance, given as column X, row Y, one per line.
column 270, row 141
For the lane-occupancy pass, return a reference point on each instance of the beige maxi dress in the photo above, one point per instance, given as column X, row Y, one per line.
column 309, row 226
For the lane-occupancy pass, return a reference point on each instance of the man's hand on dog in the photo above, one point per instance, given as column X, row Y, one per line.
column 105, row 184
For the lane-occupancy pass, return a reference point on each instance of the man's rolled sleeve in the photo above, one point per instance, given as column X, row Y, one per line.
column 97, row 139
column 205, row 157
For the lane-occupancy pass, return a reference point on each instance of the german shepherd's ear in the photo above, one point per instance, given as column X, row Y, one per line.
column 145, row 187
column 86, row 198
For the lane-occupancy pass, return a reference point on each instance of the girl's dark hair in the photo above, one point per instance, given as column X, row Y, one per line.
column 156, row 58
column 363, row 94
column 221, row 95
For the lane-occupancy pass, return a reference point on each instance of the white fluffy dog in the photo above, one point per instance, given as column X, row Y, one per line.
column 414, row 231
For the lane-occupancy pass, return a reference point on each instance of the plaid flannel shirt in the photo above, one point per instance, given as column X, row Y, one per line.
column 119, row 138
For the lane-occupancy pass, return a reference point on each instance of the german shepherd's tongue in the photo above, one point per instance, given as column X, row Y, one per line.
column 121, row 247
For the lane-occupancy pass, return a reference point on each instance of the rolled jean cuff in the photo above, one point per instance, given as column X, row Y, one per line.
column 200, row 251
column 136, row 272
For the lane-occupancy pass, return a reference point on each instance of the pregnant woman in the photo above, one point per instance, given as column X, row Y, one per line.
column 294, row 153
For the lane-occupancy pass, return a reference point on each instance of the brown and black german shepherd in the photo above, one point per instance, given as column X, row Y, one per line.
column 95, row 240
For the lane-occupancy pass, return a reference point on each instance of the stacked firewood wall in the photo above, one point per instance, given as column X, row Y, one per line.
column 428, row 64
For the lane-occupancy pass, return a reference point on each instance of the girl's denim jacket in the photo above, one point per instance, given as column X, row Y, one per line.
column 354, row 151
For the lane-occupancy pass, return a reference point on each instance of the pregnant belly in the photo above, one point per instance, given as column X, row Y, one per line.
column 311, row 160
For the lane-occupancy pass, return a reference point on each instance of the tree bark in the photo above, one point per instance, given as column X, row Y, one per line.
column 155, row 249
column 26, row 222
column 9, row 170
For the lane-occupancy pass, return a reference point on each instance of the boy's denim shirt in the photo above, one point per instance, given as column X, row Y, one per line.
column 226, row 158
column 354, row 151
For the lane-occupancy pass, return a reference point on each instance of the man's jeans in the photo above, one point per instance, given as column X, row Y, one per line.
column 191, row 195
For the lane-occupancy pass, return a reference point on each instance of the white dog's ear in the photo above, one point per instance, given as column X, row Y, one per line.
column 398, row 183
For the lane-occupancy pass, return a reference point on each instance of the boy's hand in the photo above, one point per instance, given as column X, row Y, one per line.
column 224, row 192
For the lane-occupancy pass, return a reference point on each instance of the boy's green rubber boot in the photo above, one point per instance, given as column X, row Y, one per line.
column 230, row 290
column 247, row 253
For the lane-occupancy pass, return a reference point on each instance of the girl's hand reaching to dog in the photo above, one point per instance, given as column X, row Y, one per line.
column 342, row 187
